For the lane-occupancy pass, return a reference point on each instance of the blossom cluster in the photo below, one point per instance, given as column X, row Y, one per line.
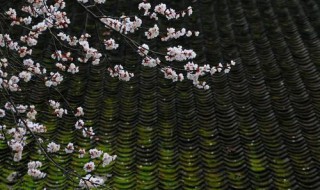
column 17, row 142
column 11, row 84
column 179, row 54
column 96, row 154
column 118, row 71
column 171, row 74
column 53, row 147
column 161, row 9
column 90, row 181
column 152, row 32
column 72, row 40
column 17, row 135
column 150, row 62
column 143, row 50
column 57, row 110
column 110, row 44
column 90, row 52
column 96, row 1
column 52, row 17
column 34, row 127
column 54, row 80
column 173, row 34
column 33, row 170
column 69, row 148
column 123, row 25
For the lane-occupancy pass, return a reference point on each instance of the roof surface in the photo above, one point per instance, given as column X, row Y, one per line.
column 257, row 127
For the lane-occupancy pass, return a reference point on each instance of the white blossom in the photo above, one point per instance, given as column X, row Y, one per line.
column 61, row 66
column 179, row 54
column 37, row 174
column 54, row 80
column 119, row 72
column 125, row 25
column 143, row 50
column 110, row 44
column 32, row 113
column 34, row 164
column 3, row 61
column 88, row 132
column 150, row 62
column 25, row 75
column 169, row 73
column 189, row 33
column 53, row 147
column 107, row 159
column 54, row 104
column 16, row 146
column 9, row 106
column 152, row 32
column 190, row 10
column 60, row 111
column 69, row 148
column 73, row 68
column 145, row 6
column 79, row 112
column 91, row 181
column 95, row 153
column 89, row 167
column 172, row 33
column 79, row 124
column 27, row 20
column 161, row 8
column 154, row 16
column 170, row 14
column 33, row 170
column 81, row 152
column 23, row 51
column 34, row 127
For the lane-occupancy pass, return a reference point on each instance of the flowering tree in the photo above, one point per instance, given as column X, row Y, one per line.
column 26, row 26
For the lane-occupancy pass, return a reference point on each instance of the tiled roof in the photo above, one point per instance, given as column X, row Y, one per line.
column 257, row 127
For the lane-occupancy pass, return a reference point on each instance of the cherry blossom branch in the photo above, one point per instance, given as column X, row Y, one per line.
column 48, row 18
column 66, row 172
column 32, row 134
